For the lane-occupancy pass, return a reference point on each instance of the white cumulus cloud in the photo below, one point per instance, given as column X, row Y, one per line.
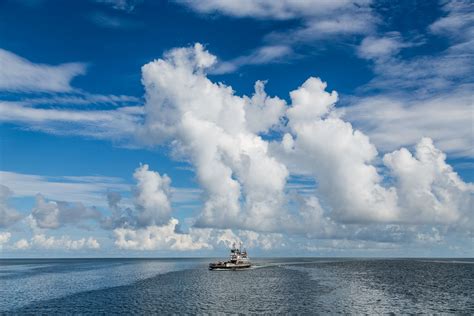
column 244, row 176
column 212, row 127
column 22, row 244
column 155, row 237
column 428, row 188
column 152, row 197
column 4, row 238
column 340, row 158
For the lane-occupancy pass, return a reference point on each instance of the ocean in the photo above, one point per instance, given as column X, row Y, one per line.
column 273, row 286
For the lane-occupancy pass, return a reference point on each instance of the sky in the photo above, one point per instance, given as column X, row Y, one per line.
column 139, row 128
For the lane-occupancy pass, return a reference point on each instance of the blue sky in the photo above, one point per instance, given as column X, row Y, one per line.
column 137, row 128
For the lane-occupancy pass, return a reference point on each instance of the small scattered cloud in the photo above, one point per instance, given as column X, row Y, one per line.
column 458, row 21
column 350, row 21
column 72, row 200
column 56, row 214
column 268, row 9
column 21, row 244
column 83, row 98
column 121, row 5
column 4, row 238
column 381, row 47
column 20, row 74
column 44, row 242
column 429, row 73
column 74, row 189
column 113, row 21
column 119, row 124
column 316, row 21
column 263, row 55
column 65, row 243
column 8, row 215
column 422, row 75
column 50, row 103
column 392, row 121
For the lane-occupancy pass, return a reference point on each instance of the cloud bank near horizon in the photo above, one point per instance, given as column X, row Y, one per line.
column 400, row 196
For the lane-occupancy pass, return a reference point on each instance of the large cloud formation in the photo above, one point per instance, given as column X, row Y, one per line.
column 216, row 131
column 244, row 176
column 245, row 151
column 338, row 156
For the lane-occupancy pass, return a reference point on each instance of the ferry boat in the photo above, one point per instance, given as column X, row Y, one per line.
column 238, row 260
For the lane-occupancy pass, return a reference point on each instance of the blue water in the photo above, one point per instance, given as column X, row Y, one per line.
column 283, row 285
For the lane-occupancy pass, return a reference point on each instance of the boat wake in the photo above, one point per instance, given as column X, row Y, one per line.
column 290, row 263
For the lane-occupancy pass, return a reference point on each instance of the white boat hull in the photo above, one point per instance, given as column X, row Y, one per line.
column 229, row 266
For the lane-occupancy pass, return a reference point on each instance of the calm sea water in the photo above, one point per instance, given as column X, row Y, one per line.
column 283, row 285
